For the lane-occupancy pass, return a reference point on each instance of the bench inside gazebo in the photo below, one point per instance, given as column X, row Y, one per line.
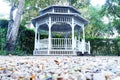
column 64, row 20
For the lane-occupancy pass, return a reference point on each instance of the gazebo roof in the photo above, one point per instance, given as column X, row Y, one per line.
column 59, row 6
column 59, row 11
column 85, row 21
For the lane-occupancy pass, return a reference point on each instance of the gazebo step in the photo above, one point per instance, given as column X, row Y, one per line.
column 62, row 52
column 55, row 52
column 40, row 52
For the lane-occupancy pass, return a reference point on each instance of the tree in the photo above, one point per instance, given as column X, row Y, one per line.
column 111, row 9
column 96, row 27
column 13, row 26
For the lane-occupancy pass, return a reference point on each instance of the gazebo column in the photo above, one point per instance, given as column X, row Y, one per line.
column 83, row 40
column 73, row 41
column 83, row 32
column 49, row 44
column 36, row 32
column 79, row 34
column 39, row 40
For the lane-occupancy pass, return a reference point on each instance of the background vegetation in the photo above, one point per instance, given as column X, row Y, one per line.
column 25, row 42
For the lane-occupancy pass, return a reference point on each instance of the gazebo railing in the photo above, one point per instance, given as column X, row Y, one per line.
column 83, row 46
column 64, row 44
column 61, row 43
column 78, row 45
column 59, row 18
column 57, row 43
column 43, row 44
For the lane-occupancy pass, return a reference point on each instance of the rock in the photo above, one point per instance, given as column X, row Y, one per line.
column 1, row 68
column 60, row 78
column 57, row 62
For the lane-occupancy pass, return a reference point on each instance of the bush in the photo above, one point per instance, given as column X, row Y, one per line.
column 106, row 47
column 3, row 23
column 3, row 31
column 26, row 41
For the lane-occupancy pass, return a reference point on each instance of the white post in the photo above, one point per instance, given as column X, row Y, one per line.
column 49, row 25
column 35, row 44
column 66, row 46
column 83, row 32
column 89, row 47
column 53, row 10
column 83, row 40
column 73, row 33
column 79, row 35
column 60, row 42
column 39, row 40
column 55, row 42
column 68, row 10
column 75, row 41
column 83, row 46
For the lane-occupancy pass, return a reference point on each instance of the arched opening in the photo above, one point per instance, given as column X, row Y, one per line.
column 61, row 36
column 61, row 30
column 42, row 36
column 77, row 32
column 43, row 31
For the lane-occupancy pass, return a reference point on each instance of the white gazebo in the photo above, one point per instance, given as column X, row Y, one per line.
column 64, row 20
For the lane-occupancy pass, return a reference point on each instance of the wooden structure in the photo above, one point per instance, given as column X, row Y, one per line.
column 60, row 20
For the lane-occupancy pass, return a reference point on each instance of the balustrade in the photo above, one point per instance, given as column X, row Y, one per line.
column 61, row 19
column 61, row 43
column 63, row 46
column 83, row 46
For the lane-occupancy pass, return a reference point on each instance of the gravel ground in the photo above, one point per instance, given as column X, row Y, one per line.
column 59, row 68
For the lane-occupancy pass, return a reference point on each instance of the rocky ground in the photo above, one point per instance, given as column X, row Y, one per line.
column 59, row 68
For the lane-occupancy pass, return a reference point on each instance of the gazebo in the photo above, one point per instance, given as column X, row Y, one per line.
column 64, row 20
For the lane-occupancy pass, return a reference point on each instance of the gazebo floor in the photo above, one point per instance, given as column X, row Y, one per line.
column 59, row 52
column 55, row 52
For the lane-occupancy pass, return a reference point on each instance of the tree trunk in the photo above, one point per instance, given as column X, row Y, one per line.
column 13, row 26
column 10, row 25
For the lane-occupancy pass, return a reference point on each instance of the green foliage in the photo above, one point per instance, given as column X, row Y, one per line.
column 32, row 7
column 102, row 46
column 111, row 9
column 3, row 23
column 80, row 3
column 26, row 40
column 2, row 40
column 3, row 31
column 96, row 27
